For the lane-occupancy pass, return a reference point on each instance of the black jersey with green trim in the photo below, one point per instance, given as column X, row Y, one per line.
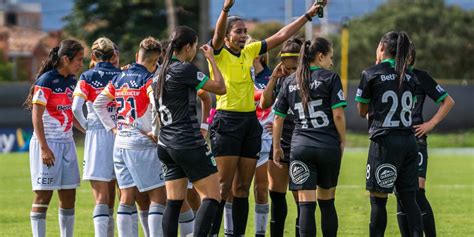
column 180, row 128
column 390, row 105
column 427, row 87
column 288, row 123
column 314, row 126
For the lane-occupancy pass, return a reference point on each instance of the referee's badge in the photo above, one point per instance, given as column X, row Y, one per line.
column 386, row 175
column 299, row 172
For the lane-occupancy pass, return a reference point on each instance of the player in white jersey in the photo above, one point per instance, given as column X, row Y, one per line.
column 99, row 143
column 136, row 162
column 53, row 160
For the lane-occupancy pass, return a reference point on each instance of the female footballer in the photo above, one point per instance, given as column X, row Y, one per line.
column 53, row 159
column 315, row 96
column 136, row 162
column 99, row 143
column 427, row 87
column 278, row 176
column 235, row 131
column 182, row 148
column 386, row 95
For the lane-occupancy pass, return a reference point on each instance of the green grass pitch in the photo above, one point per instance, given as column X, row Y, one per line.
column 450, row 189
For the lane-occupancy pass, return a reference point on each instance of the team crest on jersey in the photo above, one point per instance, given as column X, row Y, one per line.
column 439, row 89
column 200, row 76
column 299, row 172
column 340, row 94
column 386, row 175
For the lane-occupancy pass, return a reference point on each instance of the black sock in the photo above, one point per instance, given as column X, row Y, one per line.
column 171, row 217
column 408, row 203
column 279, row 210
column 378, row 216
column 307, row 219
column 426, row 213
column 402, row 219
column 240, row 213
column 329, row 222
column 216, row 224
column 297, row 225
column 207, row 211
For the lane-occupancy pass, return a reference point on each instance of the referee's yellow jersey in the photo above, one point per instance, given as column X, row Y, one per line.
column 235, row 69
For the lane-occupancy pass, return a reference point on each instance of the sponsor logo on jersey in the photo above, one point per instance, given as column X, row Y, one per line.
column 386, row 175
column 439, row 89
column 63, row 107
column 389, row 77
column 299, row 172
column 340, row 94
column 200, row 76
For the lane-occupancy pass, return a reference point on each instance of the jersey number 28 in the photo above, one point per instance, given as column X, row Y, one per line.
column 405, row 114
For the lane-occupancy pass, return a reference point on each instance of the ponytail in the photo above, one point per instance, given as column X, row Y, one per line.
column 397, row 46
column 402, row 55
column 158, row 90
column 303, row 72
column 181, row 36
column 308, row 52
column 67, row 48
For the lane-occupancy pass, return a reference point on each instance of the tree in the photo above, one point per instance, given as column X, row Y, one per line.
column 442, row 35
column 127, row 22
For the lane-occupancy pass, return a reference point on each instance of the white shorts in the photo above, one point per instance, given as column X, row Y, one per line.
column 138, row 167
column 264, row 152
column 98, row 155
column 64, row 174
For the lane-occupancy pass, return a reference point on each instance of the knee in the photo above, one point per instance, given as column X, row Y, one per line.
column 261, row 194
column 43, row 197
column 225, row 190
column 241, row 190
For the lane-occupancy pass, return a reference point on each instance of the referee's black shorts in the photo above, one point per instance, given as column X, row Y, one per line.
column 236, row 134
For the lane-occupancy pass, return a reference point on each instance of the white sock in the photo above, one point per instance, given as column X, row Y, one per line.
column 101, row 220
column 155, row 219
column 66, row 222
column 228, row 223
column 124, row 220
column 186, row 223
column 134, row 221
column 143, row 217
column 38, row 224
column 110, row 227
column 261, row 218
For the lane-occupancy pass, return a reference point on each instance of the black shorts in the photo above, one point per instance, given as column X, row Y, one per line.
column 423, row 156
column 312, row 166
column 194, row 164
column 236, row 134
column 392, row 162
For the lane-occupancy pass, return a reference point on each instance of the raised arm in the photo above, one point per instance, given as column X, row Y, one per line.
column 219, row 32
column 268, row 97
column 206, row 102
column 289, row 30
column 216, row 86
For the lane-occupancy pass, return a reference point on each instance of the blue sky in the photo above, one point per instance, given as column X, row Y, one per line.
column 55, row 10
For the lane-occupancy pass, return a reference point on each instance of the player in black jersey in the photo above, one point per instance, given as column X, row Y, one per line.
column 182, row 148
column 427, row 87
column 315, row 96
column 278, row 176
column 386, row 94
